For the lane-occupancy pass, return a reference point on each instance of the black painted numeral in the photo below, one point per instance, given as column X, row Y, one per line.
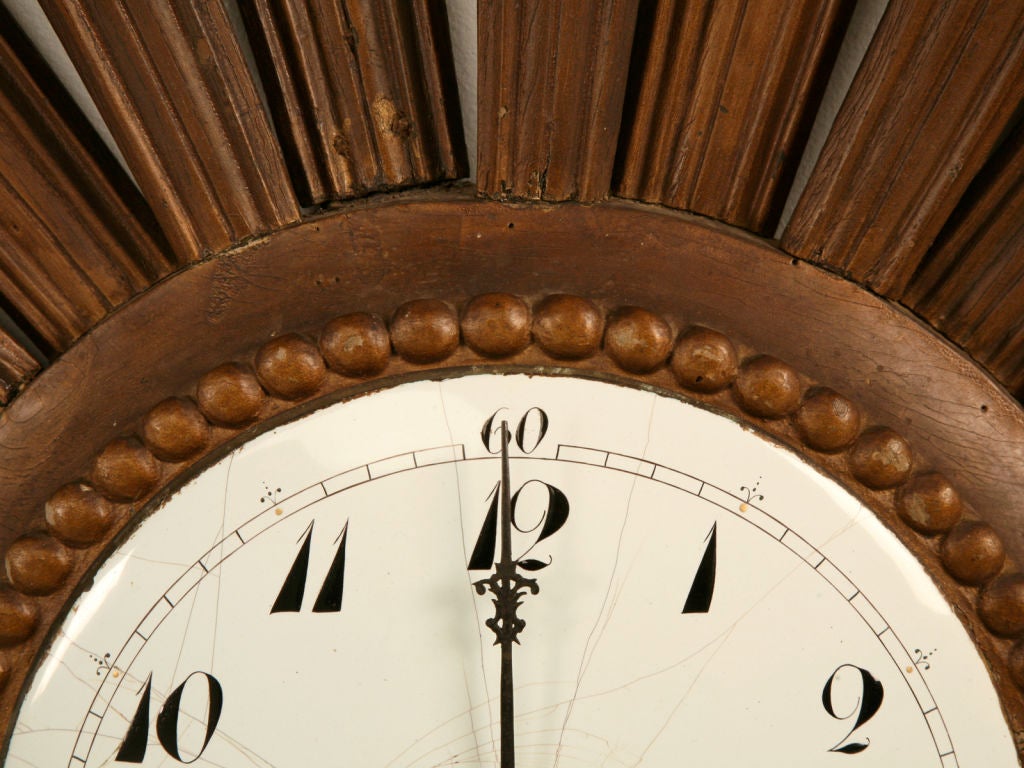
column 133, row 748
column 869, row 694
column 328, row 600
column 698, row 600
column 530, row 430
column 554, row 516
column 483, row 552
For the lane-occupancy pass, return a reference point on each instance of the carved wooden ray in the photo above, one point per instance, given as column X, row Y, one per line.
column 938, row 88
column 552, row 78
column 16, row 366
column 362, row 91
column 172, row 84
column 971, row 286
column 714, row 126
column 76, row 238
column 722, row 98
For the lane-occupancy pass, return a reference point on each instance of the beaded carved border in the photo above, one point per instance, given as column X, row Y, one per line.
column 828, row 429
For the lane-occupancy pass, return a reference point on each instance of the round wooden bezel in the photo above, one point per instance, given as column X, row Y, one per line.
column 209, row 356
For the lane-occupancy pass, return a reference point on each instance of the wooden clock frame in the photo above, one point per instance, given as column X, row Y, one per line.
column 278, row 327
column 238, row 324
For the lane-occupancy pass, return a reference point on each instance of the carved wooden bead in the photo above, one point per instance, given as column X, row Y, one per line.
column 37, row 564
column 568, row 327
column 880, row 459
column 1001, row 605
column 230, row 395
column 356, row 345
column 18, row 617
column 125, row 470
column 768, row 388
column 827, row 421
column 637, row 340
column 290, row 367
column 78, row 515
column 496, row 324
column 929, row 504
column 425, row 331
column 973, row 552
column 175, row 430
column 704, row 360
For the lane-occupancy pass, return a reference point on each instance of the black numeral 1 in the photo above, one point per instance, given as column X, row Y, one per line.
column 133, row 748
column 328, row 600
column 698, row 600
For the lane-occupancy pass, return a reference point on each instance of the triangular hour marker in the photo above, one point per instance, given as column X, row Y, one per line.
column 703, row 587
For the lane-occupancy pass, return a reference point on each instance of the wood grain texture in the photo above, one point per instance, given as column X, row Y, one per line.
column 17, row 366
column 722, row 99
column 76, row 239
column 446, row 245
column 362, row 91
column 935, row 93
column 971, row 285
column 172, row 84
column 552, row 79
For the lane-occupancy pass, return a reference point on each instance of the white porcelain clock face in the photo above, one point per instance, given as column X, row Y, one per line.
column 702, row 598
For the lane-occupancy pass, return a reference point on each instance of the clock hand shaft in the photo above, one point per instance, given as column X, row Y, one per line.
column 506, row 568
column 508, row 747
column 506, row 500
column 507, row 587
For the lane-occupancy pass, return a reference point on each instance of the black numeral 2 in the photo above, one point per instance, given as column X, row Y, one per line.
column 133, row 748
column 869, row 699
column 328, row 600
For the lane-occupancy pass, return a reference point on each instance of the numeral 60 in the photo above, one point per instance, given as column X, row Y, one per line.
column 529, row 431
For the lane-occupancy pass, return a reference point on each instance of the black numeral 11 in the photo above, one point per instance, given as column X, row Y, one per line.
column 328, row 599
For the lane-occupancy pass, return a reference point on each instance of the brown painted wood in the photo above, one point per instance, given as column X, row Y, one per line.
column 172, row 84
column 724, row 95
column 17, row 366
column 451, row 246
column 936, row 91
column 362, row 91
column 552, row 79
column 76, row 239
column 971, row 286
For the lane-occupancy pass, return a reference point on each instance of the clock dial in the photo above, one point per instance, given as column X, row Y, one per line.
column 676, row 589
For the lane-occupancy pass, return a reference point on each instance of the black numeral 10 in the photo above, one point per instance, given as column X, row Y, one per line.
column 136, row 740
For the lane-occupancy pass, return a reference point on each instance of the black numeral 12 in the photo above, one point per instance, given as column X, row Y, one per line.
column 555, row 514
column 133, row 748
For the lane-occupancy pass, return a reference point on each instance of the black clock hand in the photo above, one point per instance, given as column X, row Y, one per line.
column 507, row 587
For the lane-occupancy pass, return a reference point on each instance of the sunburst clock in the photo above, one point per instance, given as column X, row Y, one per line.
column 569, row 466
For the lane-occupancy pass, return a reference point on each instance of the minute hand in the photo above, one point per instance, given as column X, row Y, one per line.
column 508, row 587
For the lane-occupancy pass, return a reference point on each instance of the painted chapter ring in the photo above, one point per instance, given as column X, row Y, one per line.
column 745, row 506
